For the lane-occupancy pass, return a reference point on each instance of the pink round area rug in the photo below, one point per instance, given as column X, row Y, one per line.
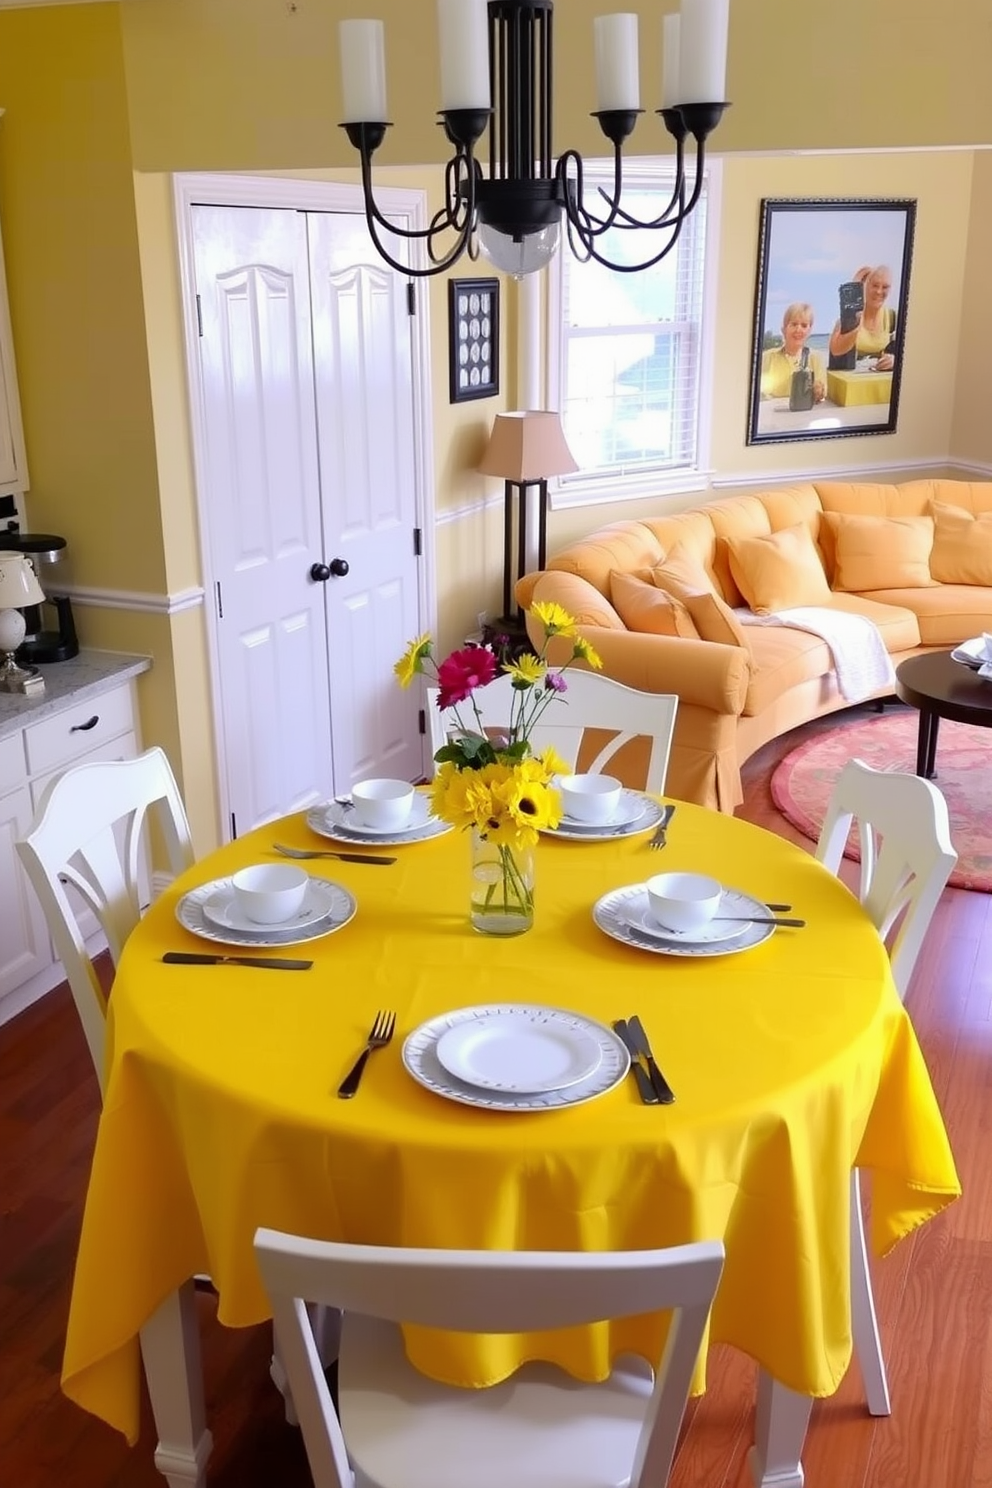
column 802, row 783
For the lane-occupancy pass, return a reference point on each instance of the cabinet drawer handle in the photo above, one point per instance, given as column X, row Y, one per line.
column 84, row 728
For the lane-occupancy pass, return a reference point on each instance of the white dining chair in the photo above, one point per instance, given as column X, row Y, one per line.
column 591, row 701
column 88, row 833
column 538, row 1427
column 906, row 853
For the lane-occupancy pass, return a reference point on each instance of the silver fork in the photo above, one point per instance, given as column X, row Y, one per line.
column 660, row 833
column 379, row 1036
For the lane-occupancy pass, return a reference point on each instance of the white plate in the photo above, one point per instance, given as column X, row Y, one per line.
column 639, row 917
column 644, row 814
column 972, row 653
column 222, row 909
column 506, row 1049
column 614, row 912
column 190, row 912
column 337, row 823
column 421, row 1062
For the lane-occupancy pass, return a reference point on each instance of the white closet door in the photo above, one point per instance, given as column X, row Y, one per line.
column 365, row 428
column 263, row 504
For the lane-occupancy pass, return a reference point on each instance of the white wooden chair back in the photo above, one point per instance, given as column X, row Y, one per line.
column 590, row 702
column 906, row 853
column 87, row 832
column 906, row 859
column 479, row 1292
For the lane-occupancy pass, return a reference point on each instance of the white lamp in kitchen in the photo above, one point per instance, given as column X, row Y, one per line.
column 18, row 587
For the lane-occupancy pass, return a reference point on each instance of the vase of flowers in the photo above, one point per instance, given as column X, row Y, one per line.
column 493, row 785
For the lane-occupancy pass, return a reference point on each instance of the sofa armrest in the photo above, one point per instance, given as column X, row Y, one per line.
column 702, row 673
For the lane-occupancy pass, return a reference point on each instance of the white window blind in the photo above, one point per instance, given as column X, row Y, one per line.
column 629, row 346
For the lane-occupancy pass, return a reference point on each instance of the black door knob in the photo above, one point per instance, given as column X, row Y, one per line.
column 320, row 573
column 339, row 567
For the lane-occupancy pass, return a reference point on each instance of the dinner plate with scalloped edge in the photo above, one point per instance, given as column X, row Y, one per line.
column 331, row 820
column 422, row 1064
column 341, row 906
column 614, row 911
column 645, row 815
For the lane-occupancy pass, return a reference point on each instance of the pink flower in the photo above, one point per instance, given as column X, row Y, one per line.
column 462, row 672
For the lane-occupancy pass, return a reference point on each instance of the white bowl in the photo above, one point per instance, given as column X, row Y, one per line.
column 385, row 804
column 590, row 798
column 683, row 901
column 270, row 893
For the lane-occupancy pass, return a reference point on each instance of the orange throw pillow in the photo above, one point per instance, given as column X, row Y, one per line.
column 778, row 571
column 962, row 546
column 881, row 552
column 682, row 573
column 715, row 620
column 653, row 611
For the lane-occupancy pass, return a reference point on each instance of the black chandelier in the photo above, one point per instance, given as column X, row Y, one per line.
column 512, row 211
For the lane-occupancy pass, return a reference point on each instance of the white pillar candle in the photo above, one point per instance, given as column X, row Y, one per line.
column 463, row 35
column 363, row 72
column 703, row 51
column 671, row 94
column 617, row 79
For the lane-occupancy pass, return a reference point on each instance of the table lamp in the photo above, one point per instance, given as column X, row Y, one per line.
column 18, row 587
column 525, row 448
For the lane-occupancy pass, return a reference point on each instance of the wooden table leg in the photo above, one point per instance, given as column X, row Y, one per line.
column 779, row 1432
column 170, row 1349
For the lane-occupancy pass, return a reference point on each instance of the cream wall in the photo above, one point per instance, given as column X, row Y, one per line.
column 971, row 431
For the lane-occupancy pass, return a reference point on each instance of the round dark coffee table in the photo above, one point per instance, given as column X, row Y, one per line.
column 942, row 688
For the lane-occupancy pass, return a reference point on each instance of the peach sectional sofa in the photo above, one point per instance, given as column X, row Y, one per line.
column 656, row 599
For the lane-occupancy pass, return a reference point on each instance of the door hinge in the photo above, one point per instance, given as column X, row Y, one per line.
column 199, row 316
column 234, row 826
column 411, row 298
column 417, row 542
column 220, row 601
column 422, row 721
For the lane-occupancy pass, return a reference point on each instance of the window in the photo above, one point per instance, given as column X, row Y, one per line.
column 626, row 351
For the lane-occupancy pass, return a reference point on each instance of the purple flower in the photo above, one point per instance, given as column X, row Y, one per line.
column 555, row 681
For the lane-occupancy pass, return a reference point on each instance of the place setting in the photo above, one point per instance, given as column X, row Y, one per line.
column 516, row 1057
column 266, row 904
column 382, row 813
column 688, row 914
column 596, row 808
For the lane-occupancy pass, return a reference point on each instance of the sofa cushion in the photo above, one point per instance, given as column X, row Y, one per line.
column 584, row 603
column 896, row 623
column 880, row 552
column 947, row 614
column 715, row 620
column 778, row 571
column 962, row 546
column 644, row 607
column 782, row 658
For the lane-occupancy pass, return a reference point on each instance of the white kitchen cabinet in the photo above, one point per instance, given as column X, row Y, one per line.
column 98, row 728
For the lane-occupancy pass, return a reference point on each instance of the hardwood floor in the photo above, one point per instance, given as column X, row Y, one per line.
column 934, row 1293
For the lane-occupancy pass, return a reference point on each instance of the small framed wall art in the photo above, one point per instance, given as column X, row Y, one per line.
column 473, row 338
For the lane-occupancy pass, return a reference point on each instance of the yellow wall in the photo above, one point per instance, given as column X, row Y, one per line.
column 102, row 100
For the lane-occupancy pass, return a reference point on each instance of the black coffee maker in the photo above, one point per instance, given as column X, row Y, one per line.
column 51, row 629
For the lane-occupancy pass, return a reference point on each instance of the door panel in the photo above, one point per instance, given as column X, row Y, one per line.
column 264, row 513
column 364, row 386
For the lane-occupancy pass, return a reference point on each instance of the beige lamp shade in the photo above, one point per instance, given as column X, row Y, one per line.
column 18, row 583
column 527, row 446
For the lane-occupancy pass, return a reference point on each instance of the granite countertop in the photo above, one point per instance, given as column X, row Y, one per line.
column 67, row 682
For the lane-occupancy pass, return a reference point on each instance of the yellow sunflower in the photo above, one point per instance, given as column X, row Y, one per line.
column 556, row 621
column 526, row 670
column 581, row 648
column 412, row 660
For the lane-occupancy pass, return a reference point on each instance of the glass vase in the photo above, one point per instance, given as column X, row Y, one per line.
column 502, row 892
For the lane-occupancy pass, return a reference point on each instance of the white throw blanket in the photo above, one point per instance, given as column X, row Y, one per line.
column 861, row 661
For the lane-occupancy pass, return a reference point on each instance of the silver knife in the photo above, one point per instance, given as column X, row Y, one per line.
column 664, row 1091
column 648, row 1094
column 271, row 963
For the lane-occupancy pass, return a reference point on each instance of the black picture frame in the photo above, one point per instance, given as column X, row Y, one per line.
column 473, row 339
column 822, row 258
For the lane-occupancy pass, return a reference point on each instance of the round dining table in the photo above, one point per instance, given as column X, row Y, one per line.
column 791, row 1062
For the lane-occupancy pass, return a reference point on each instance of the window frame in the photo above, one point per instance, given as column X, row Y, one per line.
column 613, row 486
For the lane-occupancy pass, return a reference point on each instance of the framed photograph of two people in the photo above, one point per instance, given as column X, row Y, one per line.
column 830, row 318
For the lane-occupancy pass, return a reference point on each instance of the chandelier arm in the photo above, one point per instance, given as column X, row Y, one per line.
column 635, row 268
column 438, row 264
column 664, row 219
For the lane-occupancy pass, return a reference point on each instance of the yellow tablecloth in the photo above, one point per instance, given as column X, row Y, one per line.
column 859, row 389
column 790, row 1062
